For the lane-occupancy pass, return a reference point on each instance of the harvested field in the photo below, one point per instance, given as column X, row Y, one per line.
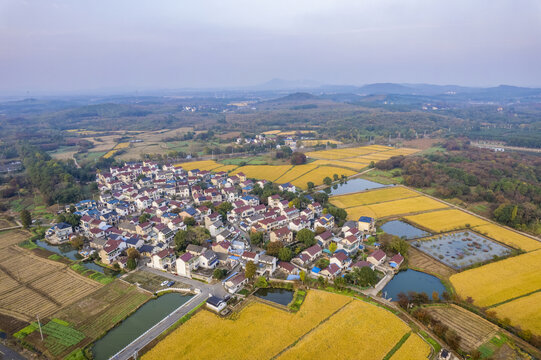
column 371, row 325
column 295, row 172
column 500, row 281
column 446, row 220
column 372, row 197
column 414, row 348
column 508, row 237
column 396, row 207
column 201, row 165
column 524, row 312
column 149, row 281
column 265, row 172
column 317, row 175
column 12, row 237
column 472, row 329
column 31, row 284
column 357, row 166
column 426, row 263
column 10, row 324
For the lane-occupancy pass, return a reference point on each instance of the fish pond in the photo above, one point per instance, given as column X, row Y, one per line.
column 279, row 296
column 354, row 185
column 461, row 249
column 136, row 324
column 65, row 249
column 411, row 280
column 403, row 229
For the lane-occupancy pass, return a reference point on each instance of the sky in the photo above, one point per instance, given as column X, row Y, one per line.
column 126, row 45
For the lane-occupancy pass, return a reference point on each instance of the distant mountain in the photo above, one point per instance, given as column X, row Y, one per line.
column 281, row 84
column 298, row 96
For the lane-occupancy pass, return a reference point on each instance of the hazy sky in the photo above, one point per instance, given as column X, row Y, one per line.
column 128, row 44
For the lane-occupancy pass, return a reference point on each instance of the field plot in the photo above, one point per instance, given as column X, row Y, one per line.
column 420, row 260
column 414, row 348
column 372, row 197
column 267, row 329
column 8, row 238
column 295, row 172
column 201, row 165
column 500, row 281
column 524, row 312
column 509, row 237
column 319, row 142
column 226, row 168
column 446, row 220
column 317, row 175
column 396, row 207
column 31, row 284
column 358, row 166
column 264, row 172
column 371, row 325
column 472, row 329
column 402, row 151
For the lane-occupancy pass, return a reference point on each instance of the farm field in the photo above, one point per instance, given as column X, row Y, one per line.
column 12, row 237
column 500, row 281
column 508, row 237
column 225, row 168
column 149, row 281
column 319, row 142
column 371, row 325
column 413, row 349
column 524, row 312
column 372, row 197
column 358, row 166
column 396, row 207
column 271, row 331
column 295, row 172
column 201, row 165
column 29, row 284
column 265, row 172
column 446, row 220
column 426, row 263
column 473, row 330
column 317, row 175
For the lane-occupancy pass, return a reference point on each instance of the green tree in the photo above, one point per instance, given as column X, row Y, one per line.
column 144, row 218
column 26, row 218
column 224, row 208
column 219, row 274
column 250, row 270
column 327, row 181
column 285, row 254
column 261, row 282
column 133, row 253
column 189, row 221
column 310, row 185
column 131, row 264
column 274, row 247
column 306, row 236
column 302, row 275
column 77, row 242
column 256, row 238
column 335, row 177
column 332, row 247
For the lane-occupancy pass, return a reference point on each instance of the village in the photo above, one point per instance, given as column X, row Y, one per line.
column 143, row 206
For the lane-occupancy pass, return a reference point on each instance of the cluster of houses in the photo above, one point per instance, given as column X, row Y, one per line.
column 143, row 205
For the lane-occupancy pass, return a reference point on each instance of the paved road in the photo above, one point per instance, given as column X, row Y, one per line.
column 205, row 291
column 8, row 354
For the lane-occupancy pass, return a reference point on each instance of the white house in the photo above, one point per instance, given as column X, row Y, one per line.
column 186, row 264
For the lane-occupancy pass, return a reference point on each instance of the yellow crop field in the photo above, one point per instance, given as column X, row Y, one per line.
column 355, row 160
column 499, row 281
column 326, row 154
column 345, row 153
column 341, row 163
column 447, row 220
column 109, row 154
column 372, row 197
column 317, row 175
column 414, row 348
column 509, row 237
column 319, row 142
column 295, row 172
column 378, row 147
column 265, row 172
column 271, row 132
column 122, row 145
column 373, row 333
column 201, row 165
column 524, row 312
column 225, row 168
column 266, row 329
column 396, row 207
column 285, row 133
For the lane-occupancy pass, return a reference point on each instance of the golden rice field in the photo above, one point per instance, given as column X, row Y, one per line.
column 326, row 154
column 317, row 175
column 367, row 332
column 109, row 154
column 358, row 166
column 122, row 145
column 265, row 172
column 446, row 220
column 271, row 132
column 414, row 348
column 499, row 281
column 266, row 329
column 260, row 331
column 295, row 172
column 372, row 196
column 319, row 142
column 524, row 312
column 225, row 168
column 201, row 165
column 396, row 207
column 509, row 237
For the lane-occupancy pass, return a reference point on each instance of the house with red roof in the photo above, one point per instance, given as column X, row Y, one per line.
column 378, row 257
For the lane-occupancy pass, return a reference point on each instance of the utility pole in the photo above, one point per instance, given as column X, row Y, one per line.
column 39, row 324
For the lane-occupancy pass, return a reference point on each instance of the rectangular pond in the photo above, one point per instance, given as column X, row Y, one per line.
column 65, row 249
column 136, row 324
column 461, row 249
column 354, row 185
column 279, row 296
column 403, row 229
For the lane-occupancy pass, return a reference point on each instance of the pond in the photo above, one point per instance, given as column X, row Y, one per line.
column 92, row 266
column 461, row 249
column 143, row 319
column 354, row 185
column 64, row 250
column 403, row 229
column 279, row 296
column 411, row 280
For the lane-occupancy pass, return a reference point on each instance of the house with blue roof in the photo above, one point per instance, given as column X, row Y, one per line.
column 59, row 233
column 367, row 225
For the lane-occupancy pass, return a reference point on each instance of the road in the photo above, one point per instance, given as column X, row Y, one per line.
column 8, row 354
column 205, row 291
